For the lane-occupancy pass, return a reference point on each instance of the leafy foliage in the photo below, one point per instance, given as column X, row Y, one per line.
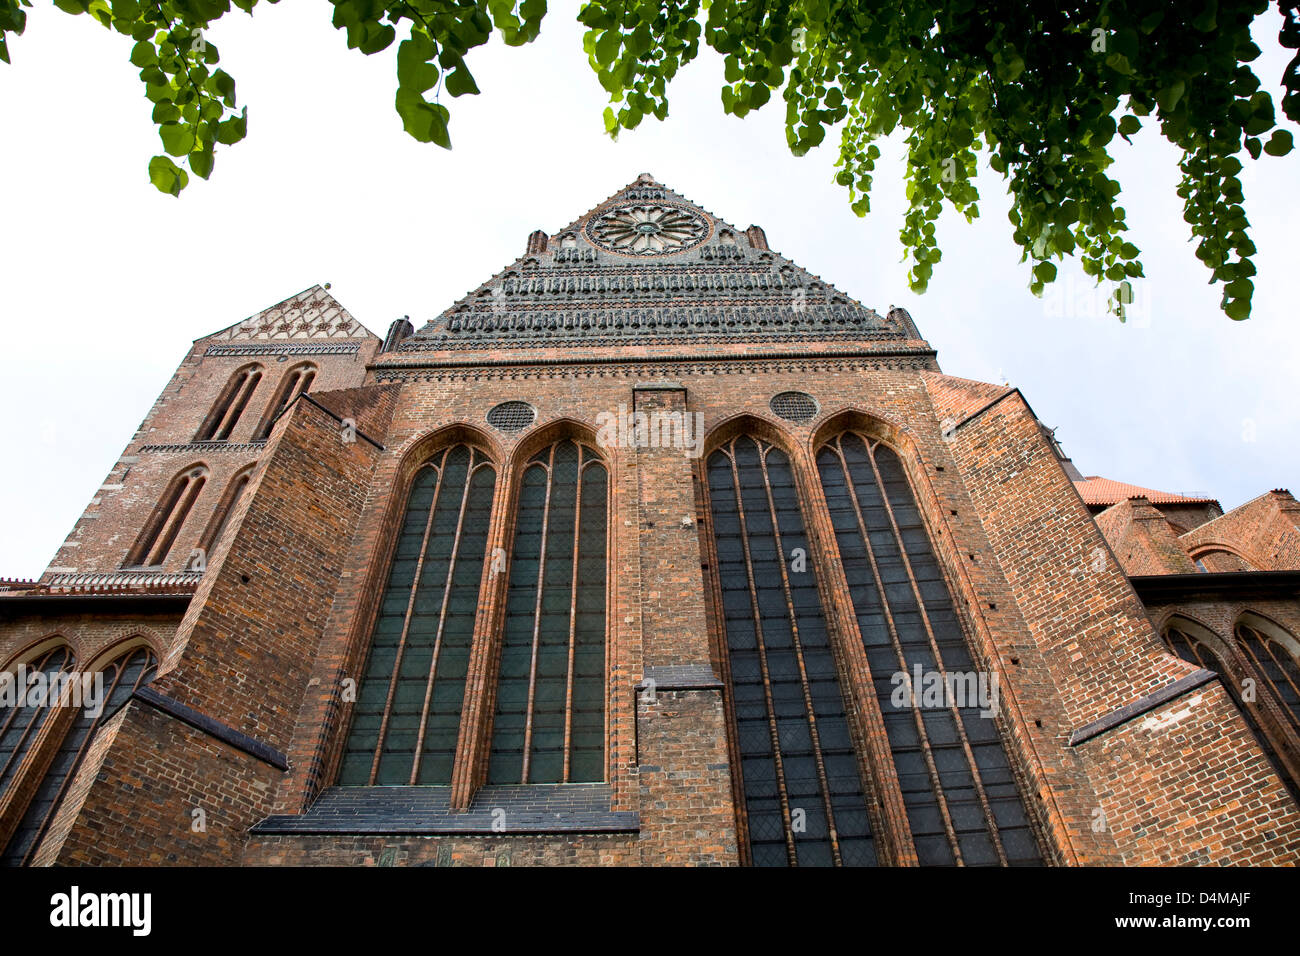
column 1041, row 87
column 194, row 102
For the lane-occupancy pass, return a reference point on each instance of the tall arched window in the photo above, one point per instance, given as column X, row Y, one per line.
column 221, row 517
column 962, row 800
column 150, row 549
column 549, row 725
column 21, row 721
column 119, row 680
column 1276, row 663
column 295, row 382
column 407, row 715
column 230, row 404
column 1199, row 646
column 804, row 799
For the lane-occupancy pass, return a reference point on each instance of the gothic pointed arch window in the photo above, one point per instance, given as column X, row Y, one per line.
column 1272, row 652
column 1198, row 645
column 221, row 517
column 89, row 705
column 406, row 720
column 164, row 525
column 549, row 722
column 803, row 794
column 962, row 798
column 27, row 705
column 230, row 404
column 295, row 382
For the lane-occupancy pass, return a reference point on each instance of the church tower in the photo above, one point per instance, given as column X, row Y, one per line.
column 654, row 548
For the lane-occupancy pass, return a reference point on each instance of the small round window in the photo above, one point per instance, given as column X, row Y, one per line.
column 511, row 416
column 794, row 406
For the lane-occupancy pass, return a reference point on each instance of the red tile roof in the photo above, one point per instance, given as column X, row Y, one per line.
column 1096, row 490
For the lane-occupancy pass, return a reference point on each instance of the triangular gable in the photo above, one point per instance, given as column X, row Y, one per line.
column 311, row 314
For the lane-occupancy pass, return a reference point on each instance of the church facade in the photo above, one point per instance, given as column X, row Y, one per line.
column 654, row 548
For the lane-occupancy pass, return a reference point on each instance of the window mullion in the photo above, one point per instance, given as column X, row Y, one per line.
column 803, row 671
column 761, row 646
column 442, row 617
column 537, row 616
column 573, row 621
column 927, row 753
column 1250, row 641
column 406, row 621
column 172, row 527
column 938, row 662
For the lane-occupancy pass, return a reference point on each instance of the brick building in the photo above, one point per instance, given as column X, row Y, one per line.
column 653, row 548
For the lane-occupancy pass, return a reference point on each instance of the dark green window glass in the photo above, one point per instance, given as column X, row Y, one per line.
column 20, row 724
column 549, row 725
column 1274, row 662
column 1192, row 649
column 406, row 720
column 962, row 800
column 805, row 803
column 120, row 679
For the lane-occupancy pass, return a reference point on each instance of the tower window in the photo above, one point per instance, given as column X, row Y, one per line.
column 407, row 717
column 296, row 381
column 230, row 404
column 221, row 518
column 151, row 549
column 549, row 725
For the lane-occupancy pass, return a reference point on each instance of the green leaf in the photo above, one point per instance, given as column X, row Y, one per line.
column 201, row 163
column 234, row 129
column 167, row 176
column 607, row 46
column 143, row 54
column 426, row 122
column 1279, row 144
column 177, row 139
column 461, row 81
column 1168, row 97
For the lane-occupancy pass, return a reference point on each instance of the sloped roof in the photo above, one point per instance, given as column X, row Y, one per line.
column 1096, row 490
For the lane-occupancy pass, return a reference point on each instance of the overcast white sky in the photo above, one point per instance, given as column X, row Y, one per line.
column 104, row 282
